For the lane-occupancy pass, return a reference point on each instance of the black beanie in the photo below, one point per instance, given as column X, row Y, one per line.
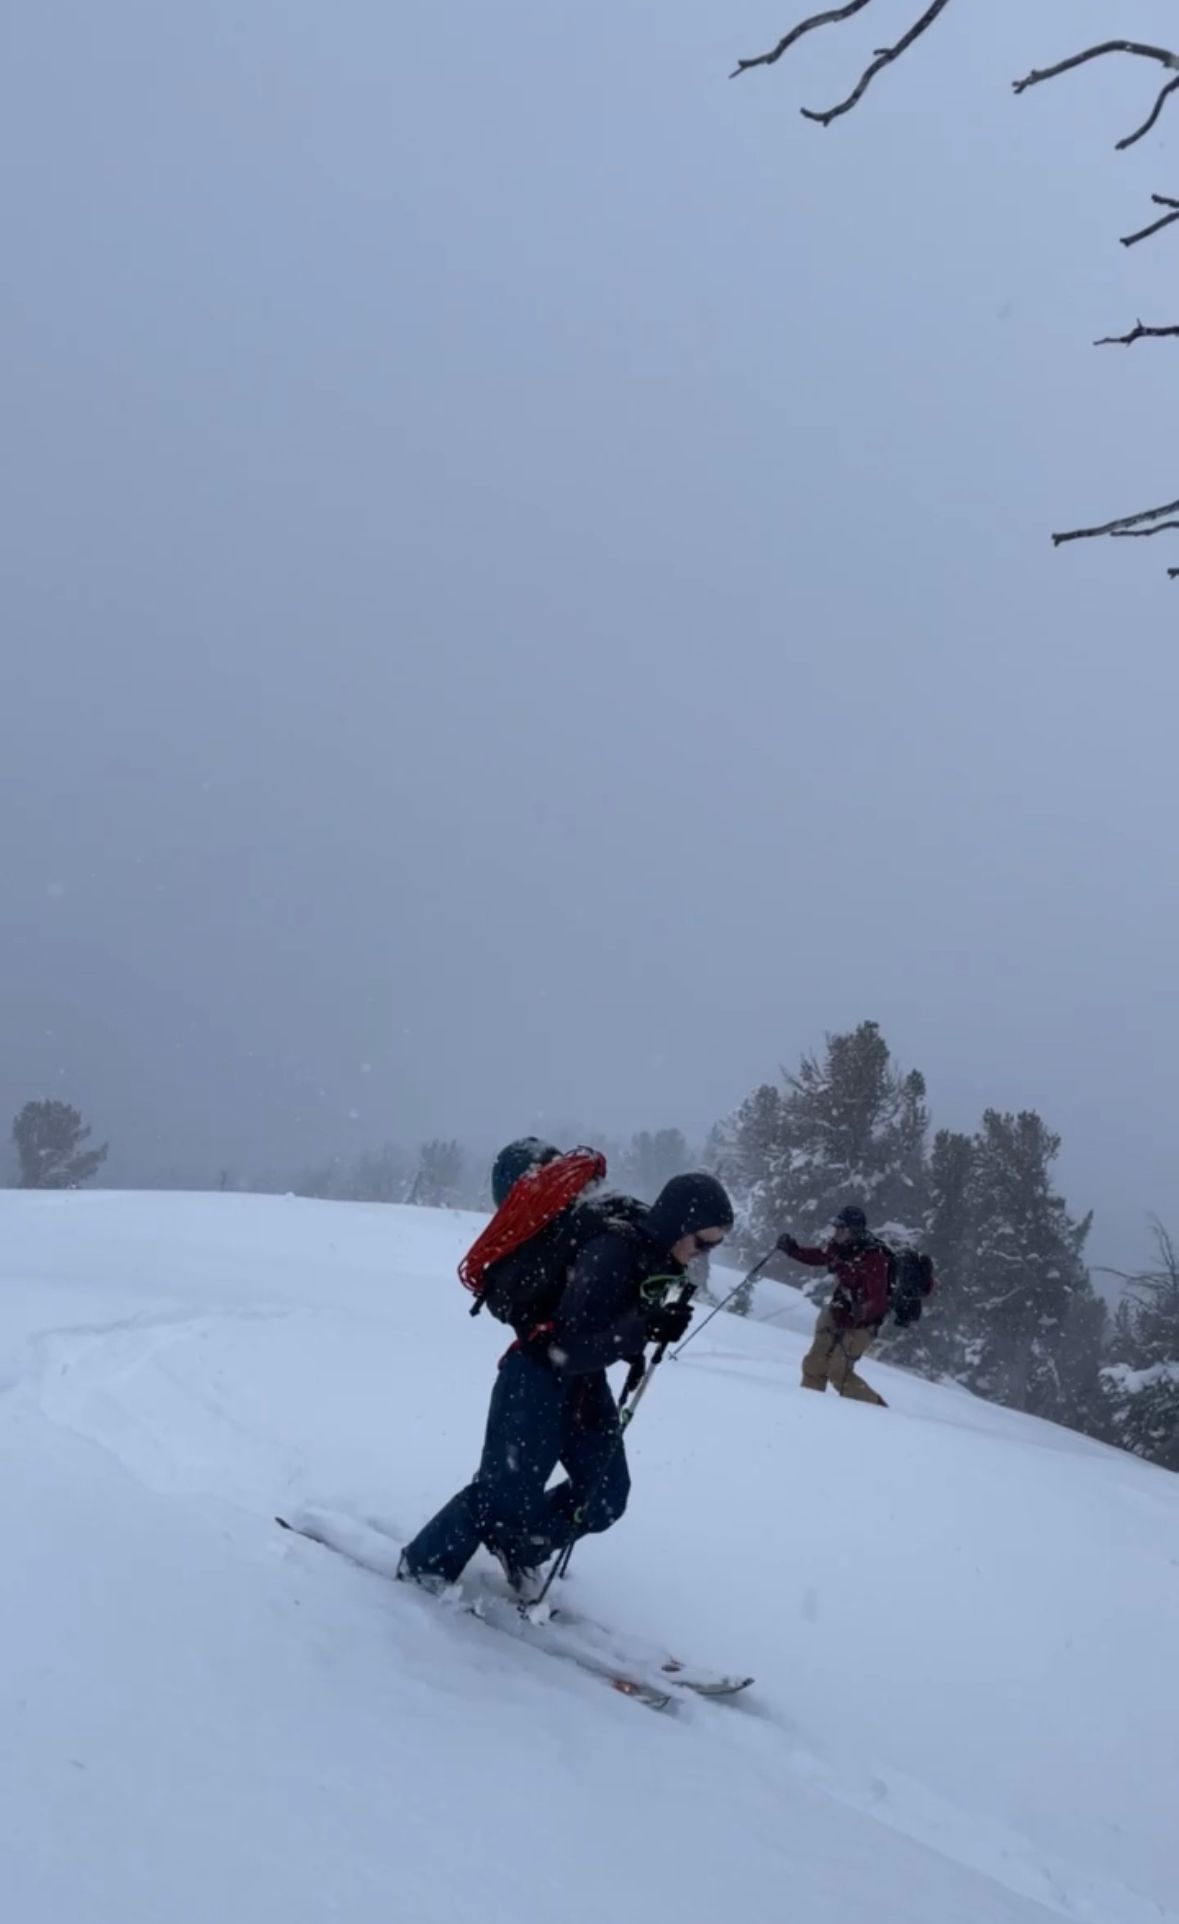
column 685, row 1204
column 852, row 1218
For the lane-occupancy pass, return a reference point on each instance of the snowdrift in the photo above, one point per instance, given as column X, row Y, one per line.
column 961, row 1622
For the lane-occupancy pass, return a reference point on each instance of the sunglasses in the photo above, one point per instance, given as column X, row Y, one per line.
column 703, row 1241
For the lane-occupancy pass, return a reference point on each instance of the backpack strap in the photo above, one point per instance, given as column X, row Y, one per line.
column 889, row 1254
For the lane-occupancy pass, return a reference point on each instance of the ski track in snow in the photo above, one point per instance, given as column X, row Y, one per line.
column 258, row 1405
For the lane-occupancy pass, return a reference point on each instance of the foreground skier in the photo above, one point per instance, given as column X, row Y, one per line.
column 551, row 1402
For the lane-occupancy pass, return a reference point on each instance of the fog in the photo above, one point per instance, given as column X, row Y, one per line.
column 527, row 581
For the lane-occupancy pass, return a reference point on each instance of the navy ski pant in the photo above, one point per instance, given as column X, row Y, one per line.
column 537, row 1419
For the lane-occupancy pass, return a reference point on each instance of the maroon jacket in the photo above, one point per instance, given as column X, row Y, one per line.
column 861, row 1278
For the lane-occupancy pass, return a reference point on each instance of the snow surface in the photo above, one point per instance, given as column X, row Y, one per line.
column 962, row 1622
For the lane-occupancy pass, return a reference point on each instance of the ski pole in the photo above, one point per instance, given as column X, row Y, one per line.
column 626, row 1413
column 751, row 1277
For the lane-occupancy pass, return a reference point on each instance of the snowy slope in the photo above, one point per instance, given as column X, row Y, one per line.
column 962, row 1622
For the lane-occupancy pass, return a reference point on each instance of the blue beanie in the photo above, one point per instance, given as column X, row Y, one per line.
column 514, row 1161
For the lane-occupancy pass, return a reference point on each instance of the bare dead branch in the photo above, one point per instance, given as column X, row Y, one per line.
column 1138, row 534
column 1163, row 55
column 796, row 33
column 884, row 58
column 1152, row 116
column 1144, row 233
column 1138, row 332
column 1115, row 527
column 1166, row 57
column 884, row 55
column 1164, row 1243
column 1152, row 1281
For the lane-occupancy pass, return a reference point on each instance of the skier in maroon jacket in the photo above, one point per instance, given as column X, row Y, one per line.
column 859, row 1304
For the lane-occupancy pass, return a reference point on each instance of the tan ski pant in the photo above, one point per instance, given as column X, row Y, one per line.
column 832, row 1358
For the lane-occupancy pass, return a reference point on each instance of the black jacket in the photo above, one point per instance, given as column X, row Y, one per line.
column 600, row 1319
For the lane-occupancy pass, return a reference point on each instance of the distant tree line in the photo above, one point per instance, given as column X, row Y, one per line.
column 443, row 1174
column 1016, row 1319
column 439, row 1175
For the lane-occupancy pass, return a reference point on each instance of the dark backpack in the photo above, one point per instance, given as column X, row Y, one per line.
column 910, row 1281
column 525, row 1287
column 519, row 1266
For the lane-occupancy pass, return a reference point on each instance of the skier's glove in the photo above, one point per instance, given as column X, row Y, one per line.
column 669, row 1322
column 789, row 1245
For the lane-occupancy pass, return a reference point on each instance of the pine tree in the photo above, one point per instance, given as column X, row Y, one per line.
column 1083, row 1348
column 49, row 1137
column 746, row 1152
column 856, row 1130
column 650, row 1159
column 846, row 1128
column 948, row 1219
column 323, row 1183
column 930, row 1345
column 903, row 1193
column 439, row 1180
column 380, row 1175
column 741, row 1301
column 1026, row 1328
column 1140, row 1383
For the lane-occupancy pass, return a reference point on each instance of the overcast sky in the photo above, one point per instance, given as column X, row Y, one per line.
column 526, row 577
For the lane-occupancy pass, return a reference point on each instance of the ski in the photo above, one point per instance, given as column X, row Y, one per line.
column 650, row 1656
column 504, row 1613
column 633, row 1667
column 721, row 1686
column 381, row 1560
